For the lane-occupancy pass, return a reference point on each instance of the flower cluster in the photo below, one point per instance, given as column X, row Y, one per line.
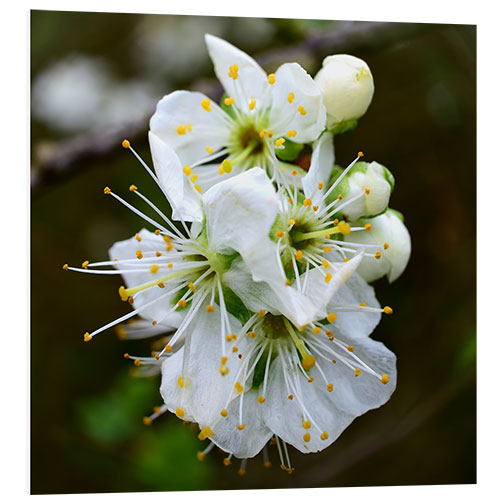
column 256, row 281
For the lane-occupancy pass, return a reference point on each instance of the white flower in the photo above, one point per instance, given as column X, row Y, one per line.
column 263, row 112
column 302, row 385
column 347, row 85
column 369, row 178
column 389, row 232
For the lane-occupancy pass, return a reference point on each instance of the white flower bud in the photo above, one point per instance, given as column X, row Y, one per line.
column 369, row 186
column 388, row 231
column 347, row 85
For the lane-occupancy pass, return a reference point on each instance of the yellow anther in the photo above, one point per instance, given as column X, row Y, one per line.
column 306, row 424
column 291, row 133
column 210, row 308
column 226, row 166
column 138, row 254
column 385, row 378
column 294, row 172
column 157, row 231
column 205, row 104
column 132, row 187
column 316, row 329
column 161, row 285
column 387, row 310
column 223, row 413
column 190, row 127
column 85, row 263
column 321, row 185
column 262, row 313
column 327, row 249
column 228, row 101
column 252, row 104
column 288, row 282
column 179, row 412
column 87, row 337
column 334, row 361
column 307, row 437
column 239, row 388
column 230, row 337
column 324, row 436
column 158, row 253
column 344, row 228
column 271, row 79
column 241, row 427
column 310, row 379
column 267, row 465
column 290, row 397
column 308, row 361
column 360, row 154
column 205, row 433
column 350, row 348
column 147, row 421
column 263, row 133
column 386, row 246
column 154, row 269
column 170, row 265
column 182, row 303
column 279, row 142
column 130, row 300
column 200, row 456
column 315, row 208
column 181, row 129
column 291, row 222
column 187, row 170
column 180, row 382
column 280, row 234
column 302, row 110
column 226, row 461
column 235, row 349
column 331, row 317
column 329, row 334
column 126, row 355
column 233, row 71
column 299, row 255
column 223, row 370
column 221, row 172
column 307, row 202
column 261, row 399
column 290, row 201
column 325, row 263
column 137, row 237
column 357, row 372
column 340, row 197
column 368, row 227
column 125, row 144
column 198, row 188
column 154, row 323
column 291, row 97
column 241, row 472
column 329, row 387
column 168, row 349
column 346, row 259
column 107, row 190
column 191, row 287
column 224, row 359
column 65, row 267
column 252, row 335
column 328, row 277
column 378, row 255
column 123, row 293
column 363, row 304
column 367, row 191
column 137, row 362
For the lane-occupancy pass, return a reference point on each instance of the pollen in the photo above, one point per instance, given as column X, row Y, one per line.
column 223, row 413
column 294, row 172
column 329, row 387
column 252, row 104
column 210, row 308
column 107, row 190
column 280, row 234
column 271, row 79
column 291, row 222
column 325, row 263
column 346, row 259
column 344, row 228
column 205, row 104
column 228, row 101
column 147, row 421
column 125, row 144
column 363, row 304
column 252, row 335
column 181, row 129
column 360, row 154
column 200, row 456
column 205, row 433
column 182, row 303
column 187, row 170
column 261, row 399
column 179, row 412
column 241, row 427
column 132, row 187
column 350, row 348
column 226, row 461
column 233, row 71
column 328, row 277
column 87, row 337
column 180, row 382
column 158, row 253
column 299, row 254
column 263, row 133
column 386, row 246
column 168, row 349
column 321, row 185
column 161, row 285
column 198, row 188
column 137, row 362
column 238, row 387
column 138, row 254
column 157, row 231
column 385, row 378
column 368, row 227
column 190, row 127
column 267, row 465
column 378, row 255
column 387, row 310
column 340, row 197
column 235, row 349
column 65, row 267
column 327, row 249
column 279, row 142
column 223, row 360
column 226, row 166
column 291, row 97
column 324, row 436
column 306, row 424
column 191, row 287
column 154, row 269
column 291, row 133
column 308, row 361
column 85, row 263
column 137, row 237
column 123, row 293
column 230, row 337
column 307, row 437
column 154, row 323
column 302, row 110
column 223, row 370
column 262, row 313
column 367, row 191
column 331, row 317
column 357, row 372
column 316, row 330
column 307, row 202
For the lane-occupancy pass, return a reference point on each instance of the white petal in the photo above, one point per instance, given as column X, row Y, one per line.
column 252, row 80
column 127, row 249
column 181, row 109
column 174, row 182
column 284, row 115
column 322, row 162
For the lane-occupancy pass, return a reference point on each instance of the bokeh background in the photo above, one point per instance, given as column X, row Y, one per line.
column 96, row 78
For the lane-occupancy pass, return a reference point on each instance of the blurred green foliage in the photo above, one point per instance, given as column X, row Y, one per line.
column 86, row 409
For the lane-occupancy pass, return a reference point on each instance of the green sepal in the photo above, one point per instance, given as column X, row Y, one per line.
column 345, row 126
column 290, row 152
column 234, row 305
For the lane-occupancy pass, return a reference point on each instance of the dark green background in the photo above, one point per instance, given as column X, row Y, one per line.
column 86, row 409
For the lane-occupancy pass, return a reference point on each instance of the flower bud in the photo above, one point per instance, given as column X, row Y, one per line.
column 388, row 231
column 369, row 186
column 347, row 85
